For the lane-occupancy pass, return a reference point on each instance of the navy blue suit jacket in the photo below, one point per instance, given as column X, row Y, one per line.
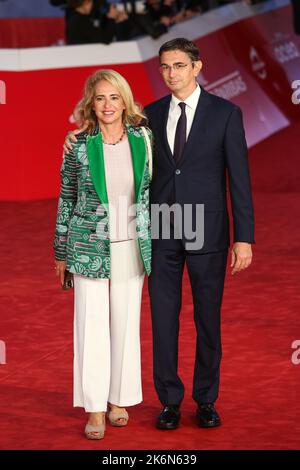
column 215, row 146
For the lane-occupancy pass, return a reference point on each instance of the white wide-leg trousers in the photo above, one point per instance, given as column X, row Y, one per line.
column 107, row 358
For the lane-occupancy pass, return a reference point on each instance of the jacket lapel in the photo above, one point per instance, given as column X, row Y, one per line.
column 162, row 129
column 138, row 152
column 97, row 168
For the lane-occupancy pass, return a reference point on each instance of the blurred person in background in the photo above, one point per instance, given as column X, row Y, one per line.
column 139, row 21
column 92, row 21
column 296, row 15
column 170, row 12
column 62, row 4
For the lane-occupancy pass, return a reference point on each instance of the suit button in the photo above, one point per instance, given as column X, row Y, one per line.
column 177, row 172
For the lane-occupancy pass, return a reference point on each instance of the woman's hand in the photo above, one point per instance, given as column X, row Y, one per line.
column 60, row 267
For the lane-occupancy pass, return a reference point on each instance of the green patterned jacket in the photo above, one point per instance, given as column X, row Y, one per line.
column 82, row 223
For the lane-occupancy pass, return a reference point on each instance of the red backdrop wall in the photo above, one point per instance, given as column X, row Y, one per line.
column 253, row 62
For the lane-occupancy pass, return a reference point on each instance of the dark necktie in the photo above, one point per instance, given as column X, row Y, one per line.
column 180, row 134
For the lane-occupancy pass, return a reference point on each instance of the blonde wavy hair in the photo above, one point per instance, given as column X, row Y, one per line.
column 84, row 113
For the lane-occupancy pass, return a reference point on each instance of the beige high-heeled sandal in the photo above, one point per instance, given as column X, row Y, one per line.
column 115, row 416
column 94, row 432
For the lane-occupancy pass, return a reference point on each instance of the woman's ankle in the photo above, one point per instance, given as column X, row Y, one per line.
column 97, row 417
column 115, row 407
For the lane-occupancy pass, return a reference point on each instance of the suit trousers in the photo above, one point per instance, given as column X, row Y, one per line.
column 107, row 359
column 207, row 273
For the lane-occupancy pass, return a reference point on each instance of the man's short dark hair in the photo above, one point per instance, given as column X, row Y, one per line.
column 181, row 44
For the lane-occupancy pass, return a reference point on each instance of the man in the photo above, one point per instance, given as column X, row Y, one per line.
column 198, row 138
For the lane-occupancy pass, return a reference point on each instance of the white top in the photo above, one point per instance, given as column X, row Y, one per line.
column 175, row 112
column 120, row 190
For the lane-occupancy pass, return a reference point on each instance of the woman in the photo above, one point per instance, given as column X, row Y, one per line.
column 103, row 205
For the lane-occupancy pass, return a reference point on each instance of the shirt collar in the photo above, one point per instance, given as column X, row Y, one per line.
column 191, row 101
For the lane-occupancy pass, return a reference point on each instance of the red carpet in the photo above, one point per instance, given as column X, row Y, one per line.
column 259, row 401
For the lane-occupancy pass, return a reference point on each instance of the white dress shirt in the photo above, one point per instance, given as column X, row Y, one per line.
column 175, row 112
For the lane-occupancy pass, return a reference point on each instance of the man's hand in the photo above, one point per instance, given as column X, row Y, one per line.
column 241, row 256
column 70, row 137
column 60, row 267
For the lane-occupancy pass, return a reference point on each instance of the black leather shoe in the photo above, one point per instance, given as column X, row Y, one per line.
column 169, row 417
column 207, row 416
